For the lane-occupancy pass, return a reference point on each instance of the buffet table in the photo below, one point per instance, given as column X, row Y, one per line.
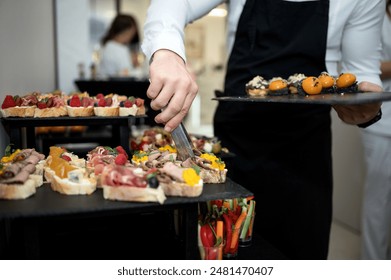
column 47, row 205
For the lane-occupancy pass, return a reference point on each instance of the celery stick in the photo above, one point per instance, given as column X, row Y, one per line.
column 199, row 242
column 247, row 221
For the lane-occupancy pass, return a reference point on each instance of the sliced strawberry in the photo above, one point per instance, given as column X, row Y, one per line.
column 120, row 159
column 8, row 102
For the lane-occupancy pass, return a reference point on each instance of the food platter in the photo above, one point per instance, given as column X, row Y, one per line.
column 326, row 99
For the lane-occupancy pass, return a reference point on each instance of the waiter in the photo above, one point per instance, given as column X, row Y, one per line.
column 288, row 167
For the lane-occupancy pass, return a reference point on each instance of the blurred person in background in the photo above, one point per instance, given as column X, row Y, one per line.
column 119, row 53
column 376, row 213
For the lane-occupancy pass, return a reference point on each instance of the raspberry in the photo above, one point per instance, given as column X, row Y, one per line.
column 75, row 101
column 8, row 102
column 42, row 105
column 120, row 159
column 102, row 102
column 121, row 150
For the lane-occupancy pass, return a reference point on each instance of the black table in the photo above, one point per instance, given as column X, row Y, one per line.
column 22, row 130
column 26, row 218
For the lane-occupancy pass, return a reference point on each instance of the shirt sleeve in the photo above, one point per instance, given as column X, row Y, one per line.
column 361, row 41
column 166, row 21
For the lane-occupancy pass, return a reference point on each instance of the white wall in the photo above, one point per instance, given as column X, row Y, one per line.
column 73, row 41
column 26, row 50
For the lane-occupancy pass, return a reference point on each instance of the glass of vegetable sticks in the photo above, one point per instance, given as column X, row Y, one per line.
column 246, row 230
column 211, row 253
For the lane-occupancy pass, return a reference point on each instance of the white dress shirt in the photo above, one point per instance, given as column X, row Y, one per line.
column 384, row 125
column 115, row 60
column 353, row 32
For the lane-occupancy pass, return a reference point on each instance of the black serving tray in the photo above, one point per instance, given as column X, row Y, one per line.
column 66, row 120
column 327, row 99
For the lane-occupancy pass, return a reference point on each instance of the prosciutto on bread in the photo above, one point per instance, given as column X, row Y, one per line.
column 101, row 156
column 50, row 106
column 128, row 183
column 20, row 173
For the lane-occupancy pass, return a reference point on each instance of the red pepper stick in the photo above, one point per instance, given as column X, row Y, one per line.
column 204, row 235
column 212, row 254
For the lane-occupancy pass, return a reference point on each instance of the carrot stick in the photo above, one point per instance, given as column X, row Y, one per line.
column 238, row 224
column 219, row 235
column 235, row 200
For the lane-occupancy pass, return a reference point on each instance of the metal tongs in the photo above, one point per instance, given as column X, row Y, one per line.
column 183, row 143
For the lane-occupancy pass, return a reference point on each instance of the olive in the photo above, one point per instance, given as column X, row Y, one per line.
column 153, row 182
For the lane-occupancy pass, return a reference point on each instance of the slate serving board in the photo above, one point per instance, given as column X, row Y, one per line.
column 326, row 99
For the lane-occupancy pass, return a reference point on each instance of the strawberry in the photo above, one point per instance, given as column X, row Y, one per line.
column 8, row 102
column 100, row 96
column 120, row 159
column 42, row 105
column 121, row 150
column 102, row 102
column 75, row 101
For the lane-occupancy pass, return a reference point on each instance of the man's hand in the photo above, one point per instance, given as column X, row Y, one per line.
column 172, row 88
column 358, row 114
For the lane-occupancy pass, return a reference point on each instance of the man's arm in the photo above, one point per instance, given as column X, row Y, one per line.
column 172, row 86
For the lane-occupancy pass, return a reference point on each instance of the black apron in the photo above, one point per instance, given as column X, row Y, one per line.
column 288, row 167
